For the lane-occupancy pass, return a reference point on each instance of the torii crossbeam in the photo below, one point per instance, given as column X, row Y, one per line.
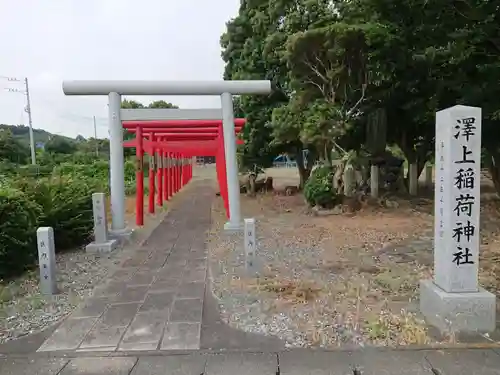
column 115, row 89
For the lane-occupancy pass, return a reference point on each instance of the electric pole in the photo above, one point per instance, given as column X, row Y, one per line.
column 27, row 109
column 30, row 122
column 96, row 141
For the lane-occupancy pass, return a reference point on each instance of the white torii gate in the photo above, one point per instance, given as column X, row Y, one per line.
column 114, row 90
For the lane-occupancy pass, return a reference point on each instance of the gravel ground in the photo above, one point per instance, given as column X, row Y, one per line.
column 323, row 281
column 24, row 310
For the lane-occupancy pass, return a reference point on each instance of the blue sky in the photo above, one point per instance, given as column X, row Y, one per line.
column 51, row 40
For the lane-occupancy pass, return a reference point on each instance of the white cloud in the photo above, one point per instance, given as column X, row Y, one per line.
column 52, row 40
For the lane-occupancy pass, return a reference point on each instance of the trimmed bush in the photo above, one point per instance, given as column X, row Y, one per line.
column 18, row 223
column 61, row 199
column 318, row 189
column 66, row 205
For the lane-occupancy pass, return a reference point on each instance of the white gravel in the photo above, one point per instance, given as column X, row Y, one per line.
column 24, row 310
column 318, row 278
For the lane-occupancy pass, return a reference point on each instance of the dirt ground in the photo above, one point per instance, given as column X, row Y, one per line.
column 347, row 278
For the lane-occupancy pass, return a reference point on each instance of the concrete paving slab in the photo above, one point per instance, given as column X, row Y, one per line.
column 69, row 335
column 187, row 310
column 153, row 265
column 110, row 289
column 99, row 366
column 120, row 314
column 135, row 260
column 91, row 308
column 194, row 289
column 464, row 362
column 315, row 363
column 122, row 275
column 391, row 362
column 158, row 301
column 165, row 285
column 36, row 366
column 171, row 365
column 180, row 263
column 197, row 263
column 170, row 272
column 141, row 278
column 181, row 336
column 195, row 275
column 145, row 328
column 242, row 364
column 132, row 294
column 103, row 336
column 138, row 347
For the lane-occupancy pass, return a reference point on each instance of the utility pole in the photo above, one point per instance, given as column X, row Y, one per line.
column 96, row 141
column 30, row 122
column 27, row 109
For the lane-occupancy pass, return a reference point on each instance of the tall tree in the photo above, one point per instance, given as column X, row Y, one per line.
column 253, row 48
column 11, row 149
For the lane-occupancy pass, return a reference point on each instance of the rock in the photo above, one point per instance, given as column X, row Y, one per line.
column 318, row 211
column 291, row 190
column 391, row 204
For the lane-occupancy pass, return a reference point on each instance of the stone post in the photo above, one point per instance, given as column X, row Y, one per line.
column 47, row 260
column 453, row 301
column 413, row 178
column 102, row 243
column 349, row 181
column 250, row 245
column 374, row 181
column 428, row 175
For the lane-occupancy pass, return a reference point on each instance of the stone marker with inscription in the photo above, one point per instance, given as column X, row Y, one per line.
column 102, row 243
column 454, row 301
column 250, row 245
column 47, row 260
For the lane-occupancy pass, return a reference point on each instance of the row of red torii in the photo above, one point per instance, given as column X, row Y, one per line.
column 172, row 145
column 172, row 138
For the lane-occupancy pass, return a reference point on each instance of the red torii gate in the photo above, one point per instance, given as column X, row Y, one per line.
column 176, row 140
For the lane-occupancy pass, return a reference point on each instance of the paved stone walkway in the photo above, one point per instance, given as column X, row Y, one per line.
column 295, row 362
column 154, row 301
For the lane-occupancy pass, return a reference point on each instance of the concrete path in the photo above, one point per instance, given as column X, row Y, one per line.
column 296, row 362
column 158, row 298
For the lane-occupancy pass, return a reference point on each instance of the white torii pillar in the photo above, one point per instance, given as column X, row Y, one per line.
column 114, row 90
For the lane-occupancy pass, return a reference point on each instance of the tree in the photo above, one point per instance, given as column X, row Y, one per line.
column 132, row 104
column 161, row 104
column 60, row 145
column 329, row 76
column 243, row 45
column 12, row 150
column 253, row 48
column 437, row 54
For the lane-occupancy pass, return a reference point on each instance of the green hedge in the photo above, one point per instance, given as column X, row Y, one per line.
column 18, row 223
column 60, row 197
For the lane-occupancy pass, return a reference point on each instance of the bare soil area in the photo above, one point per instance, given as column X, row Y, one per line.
column 337, row 280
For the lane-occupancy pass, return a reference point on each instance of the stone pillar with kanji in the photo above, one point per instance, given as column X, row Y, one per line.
column 453, row 301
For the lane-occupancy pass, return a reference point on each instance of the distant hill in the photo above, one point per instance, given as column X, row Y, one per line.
column 22, row 132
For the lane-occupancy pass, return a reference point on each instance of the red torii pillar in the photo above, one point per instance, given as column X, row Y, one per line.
column 207, row 132
column 179, row 170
